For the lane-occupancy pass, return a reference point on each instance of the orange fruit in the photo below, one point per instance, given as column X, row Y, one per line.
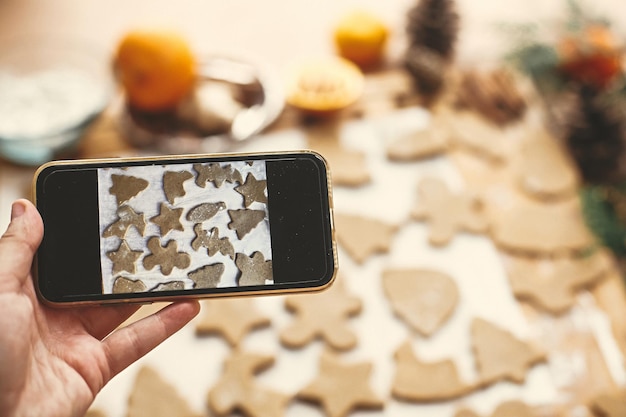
column 156, row 68
column 361, row 37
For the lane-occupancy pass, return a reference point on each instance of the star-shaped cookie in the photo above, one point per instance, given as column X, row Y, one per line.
column 322, row 315
column 168, row 219
column 216, row 174
column 232, row 318
column 124, row 258
column 166, row 257
column 127, row 218
column 243, row 221
column 207, row 276
column 341, row 388
column 173, row 184
column 126, row 187
column 204, row 211
column 500, row 355
column 212, row 241
column 255, row 270
column 236, row 390
column 253, row 190
column 447, row 212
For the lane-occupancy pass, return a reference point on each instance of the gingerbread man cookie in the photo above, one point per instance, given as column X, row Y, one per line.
column 165, row 257
column 341, row 388
column 232, row 318
column 447, row 212
column 322, row 315
column 423, row 298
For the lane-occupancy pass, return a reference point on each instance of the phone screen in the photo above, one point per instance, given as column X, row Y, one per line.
column 144, row 229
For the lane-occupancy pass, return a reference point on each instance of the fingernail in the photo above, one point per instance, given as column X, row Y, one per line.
column 17, row 210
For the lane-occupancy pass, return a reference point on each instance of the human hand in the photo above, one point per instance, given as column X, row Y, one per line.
column 53, row 362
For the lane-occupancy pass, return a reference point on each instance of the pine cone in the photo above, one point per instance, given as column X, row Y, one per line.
column 427, row 69
column 596, row 139
column 433, row 24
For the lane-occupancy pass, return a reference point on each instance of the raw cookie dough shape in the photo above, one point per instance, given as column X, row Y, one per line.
column 216, row 174
column 253, row 190
column 478, row 135
column 511, row 408
column 169, row 286
column 207, row 276
column 126, row 187
column 423, row 298
column 542, row 169
column 243, row 221
column 212, row 241
column 255, row 270
column 236, row 389
column 231, row 318
column 124, row 259
column 610, row 404
column 173, row 184
column 552, row 285
column 151, row 396
column 500, row 355
column 542, row 229
column 124, row 285
column 322, row 315
column 204, row 211
column 166, row 257
column 363, row 237
column 126, row 218
column 419, row 381
column 168, row 219
column 341, row 388
column 447, row 212
column 418, row 145
column 349, row 167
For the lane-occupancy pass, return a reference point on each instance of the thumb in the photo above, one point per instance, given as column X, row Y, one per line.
column 19, row 244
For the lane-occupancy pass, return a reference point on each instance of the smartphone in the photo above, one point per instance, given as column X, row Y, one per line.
column 148, row 229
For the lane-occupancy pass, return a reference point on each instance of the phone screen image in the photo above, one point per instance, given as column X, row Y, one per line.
column 140, row 229
column 201, row 225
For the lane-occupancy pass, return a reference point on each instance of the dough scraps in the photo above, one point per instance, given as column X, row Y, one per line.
column 423, row 298
column 341, row 388
column 447, row 212
column 231, row 318
column 322, row 315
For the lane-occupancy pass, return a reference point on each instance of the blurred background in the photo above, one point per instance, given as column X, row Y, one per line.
column 514, row 105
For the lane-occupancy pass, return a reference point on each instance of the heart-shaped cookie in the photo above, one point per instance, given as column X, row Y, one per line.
column 423, row 298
